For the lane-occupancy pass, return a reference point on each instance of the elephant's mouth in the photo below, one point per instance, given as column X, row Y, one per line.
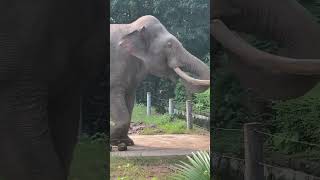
column 191, row 80
column 261, row 59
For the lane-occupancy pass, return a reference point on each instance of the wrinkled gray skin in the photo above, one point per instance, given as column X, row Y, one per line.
column 137, row 49
column 289, row 73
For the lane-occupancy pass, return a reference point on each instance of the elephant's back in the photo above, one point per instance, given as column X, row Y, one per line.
column 117, row 31
column 125, row 70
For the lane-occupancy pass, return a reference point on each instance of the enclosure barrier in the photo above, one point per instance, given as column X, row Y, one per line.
column 171, row 106
column 254, row 166
column 148, row 103
column 190, row 116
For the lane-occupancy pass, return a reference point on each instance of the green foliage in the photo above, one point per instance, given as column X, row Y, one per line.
column 298, row 120
column 180, row 93
column 228, row 109
column 161, row 90
column 228, row 142
column 202, row 102
column 197, row 168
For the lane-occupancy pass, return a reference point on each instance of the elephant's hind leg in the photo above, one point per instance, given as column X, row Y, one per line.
column 27, row 151
column 120, row 118
column 130, row 99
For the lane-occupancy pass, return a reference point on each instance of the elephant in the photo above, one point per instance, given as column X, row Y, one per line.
column 287, row 74
column 140, row 48
column 49, row 52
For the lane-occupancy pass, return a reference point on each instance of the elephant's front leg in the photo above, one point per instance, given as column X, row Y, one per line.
column 120, row 118
column 27, row 151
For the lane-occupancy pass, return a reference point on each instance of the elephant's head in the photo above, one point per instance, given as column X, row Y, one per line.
column 291, row 71
column 163, row 55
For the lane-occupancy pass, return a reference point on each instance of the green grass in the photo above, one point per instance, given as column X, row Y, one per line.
column 164, row 122
column 89, row 160
column 136, row 168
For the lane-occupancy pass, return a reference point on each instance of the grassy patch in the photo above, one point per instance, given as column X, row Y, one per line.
column 136, row 168
column 89, row 160
column 165, row 123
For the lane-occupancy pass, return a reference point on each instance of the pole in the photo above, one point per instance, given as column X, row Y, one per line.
column 189, row 114
column 171, row 107
column 253, row 145
column 148, row 103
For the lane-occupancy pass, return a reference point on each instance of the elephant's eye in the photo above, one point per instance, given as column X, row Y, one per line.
column 169, row 44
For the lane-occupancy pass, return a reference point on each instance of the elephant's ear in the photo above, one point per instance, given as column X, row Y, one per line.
column 136, row 43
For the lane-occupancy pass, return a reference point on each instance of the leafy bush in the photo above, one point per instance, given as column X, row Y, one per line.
column 197, row 168
column 202, row 102
column 227, row 106
column 299, row 120
column 180, row 93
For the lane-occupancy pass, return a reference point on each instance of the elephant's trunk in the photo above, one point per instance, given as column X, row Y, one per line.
column 196, row 67
column 261, row 59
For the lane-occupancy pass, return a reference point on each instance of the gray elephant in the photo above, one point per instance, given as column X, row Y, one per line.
column 140, row 48
column 48, row 51
column 294, row 69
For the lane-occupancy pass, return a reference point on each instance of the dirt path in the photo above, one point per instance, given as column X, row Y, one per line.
column 164, row 145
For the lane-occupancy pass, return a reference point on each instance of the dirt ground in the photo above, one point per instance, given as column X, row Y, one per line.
column 164, row 145
column 138, row 161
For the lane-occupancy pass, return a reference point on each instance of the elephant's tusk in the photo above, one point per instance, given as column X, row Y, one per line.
column 191, row 80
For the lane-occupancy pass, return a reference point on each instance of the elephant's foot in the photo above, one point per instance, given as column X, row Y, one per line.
column 116, row 141
column 122, row 147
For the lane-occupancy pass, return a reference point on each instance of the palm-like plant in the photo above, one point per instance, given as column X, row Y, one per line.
column 197, row 168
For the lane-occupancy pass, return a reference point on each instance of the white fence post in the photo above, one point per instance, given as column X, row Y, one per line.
column 171, row 107
column 189, row 114
column 148, row 103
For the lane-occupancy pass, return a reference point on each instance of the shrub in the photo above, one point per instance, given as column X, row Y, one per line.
column 296, row 119
column 197, row 168
column 202, row 102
